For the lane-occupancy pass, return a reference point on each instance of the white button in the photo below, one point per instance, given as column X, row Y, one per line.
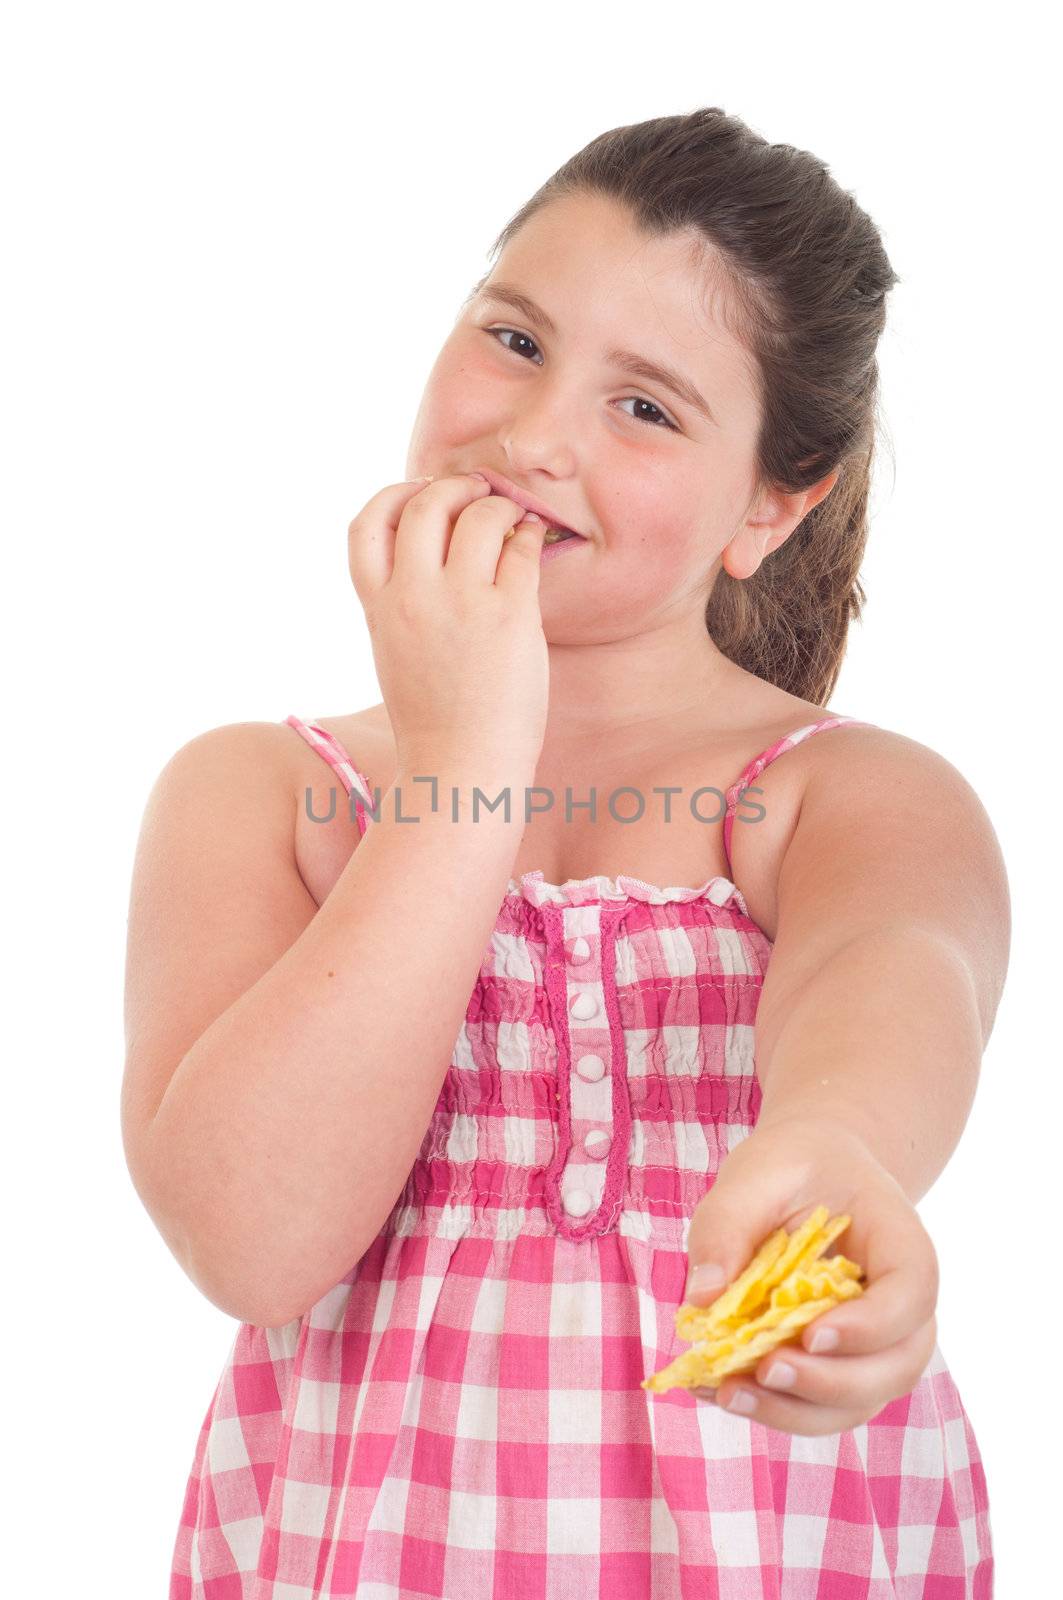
column 720, row 892
column 584, row 1006
column 597, row 1143
column 591, row 1067
column 577, row 1202
column 581, row 952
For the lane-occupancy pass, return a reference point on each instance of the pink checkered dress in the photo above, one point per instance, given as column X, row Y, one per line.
column 462, row 1415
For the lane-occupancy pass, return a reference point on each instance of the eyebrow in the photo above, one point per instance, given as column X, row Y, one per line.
column 626, row 360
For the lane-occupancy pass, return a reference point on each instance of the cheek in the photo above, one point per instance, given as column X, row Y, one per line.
column 456, row 404
column 651, row 535
column 668, row 522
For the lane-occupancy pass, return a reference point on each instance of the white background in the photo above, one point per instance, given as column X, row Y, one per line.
column 236, row 237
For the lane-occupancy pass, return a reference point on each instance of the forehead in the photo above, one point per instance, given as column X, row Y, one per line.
column 603, row 280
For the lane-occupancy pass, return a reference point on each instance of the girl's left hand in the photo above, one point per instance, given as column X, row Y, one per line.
column 884, row 1338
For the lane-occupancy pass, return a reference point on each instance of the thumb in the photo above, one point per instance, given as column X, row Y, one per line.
column 527, row 538
column 731, row 1222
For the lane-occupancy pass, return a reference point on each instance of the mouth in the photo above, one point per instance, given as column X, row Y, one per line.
column 556, row 529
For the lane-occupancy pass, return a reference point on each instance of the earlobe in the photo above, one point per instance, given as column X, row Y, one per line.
column 745, row 552
column 757, row 540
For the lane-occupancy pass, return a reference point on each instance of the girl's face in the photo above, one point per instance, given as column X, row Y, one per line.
column 661, row 486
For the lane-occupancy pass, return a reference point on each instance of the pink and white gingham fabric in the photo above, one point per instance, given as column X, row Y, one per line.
column 461, row 1416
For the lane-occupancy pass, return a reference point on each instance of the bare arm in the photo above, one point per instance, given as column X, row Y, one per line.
column 892, row 948
column 283, row 1062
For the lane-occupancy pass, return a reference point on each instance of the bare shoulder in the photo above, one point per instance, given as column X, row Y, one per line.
column 846, row 765
column 273, row 757
column 909, row 799
column 891, row 840
column 876, row 762
column 247, row 760
column 214, row 901
column 365, row 736
column 227, row 791
column 890, row 831
column 244, row 780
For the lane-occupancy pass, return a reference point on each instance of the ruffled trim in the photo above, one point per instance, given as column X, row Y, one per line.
column 532, row 886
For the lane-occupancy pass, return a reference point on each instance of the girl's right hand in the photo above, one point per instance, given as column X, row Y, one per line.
column 452, row 608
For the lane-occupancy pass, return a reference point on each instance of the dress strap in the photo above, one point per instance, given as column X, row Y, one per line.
column 331, row 750
column 766, row 757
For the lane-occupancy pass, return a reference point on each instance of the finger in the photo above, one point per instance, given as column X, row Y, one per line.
column 372, row 535
column 520, row 565
column 830, row 1402
column 424, row 531
column 483, row 531
column 790, row 1416
column 900, row 1295
column 785, row 1413
column 847, row 1382
column 774, row 1411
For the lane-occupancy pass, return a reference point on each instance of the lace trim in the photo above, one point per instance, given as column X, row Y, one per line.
column 533, row 886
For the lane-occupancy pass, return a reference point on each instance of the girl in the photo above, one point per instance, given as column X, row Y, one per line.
column 442, row 1092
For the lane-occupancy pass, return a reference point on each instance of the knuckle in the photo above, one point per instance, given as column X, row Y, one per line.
column 469, row 600
column 411, row 608
column 420, row 506
column 814, row 1384
column 488, row 506
column 523, row 552
column 445, row 488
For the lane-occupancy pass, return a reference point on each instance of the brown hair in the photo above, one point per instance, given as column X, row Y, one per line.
column 805, row 275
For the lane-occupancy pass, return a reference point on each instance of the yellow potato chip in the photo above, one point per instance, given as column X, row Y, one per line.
column 788, row 1283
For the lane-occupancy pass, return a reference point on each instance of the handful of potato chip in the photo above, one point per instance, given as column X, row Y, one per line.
column 788, row 1283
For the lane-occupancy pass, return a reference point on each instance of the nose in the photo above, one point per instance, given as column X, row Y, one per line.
column 537, row 437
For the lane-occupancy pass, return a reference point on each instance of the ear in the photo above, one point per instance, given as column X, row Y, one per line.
column 771, row 524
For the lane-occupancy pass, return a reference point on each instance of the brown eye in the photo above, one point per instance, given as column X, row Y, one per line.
column 661, row 420
column 641, row 402
column 524, row 336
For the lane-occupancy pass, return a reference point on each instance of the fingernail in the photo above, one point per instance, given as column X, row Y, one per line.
column 823, row 1339
column 704, row 1279
column 479, row 475
column 742, row 1401
column 529, row 516
column 781, row 1376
